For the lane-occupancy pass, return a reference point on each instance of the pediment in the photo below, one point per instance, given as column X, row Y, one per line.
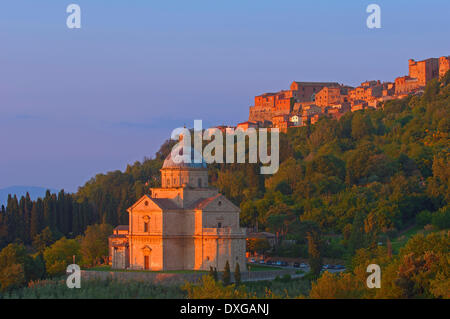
column 145, row 203
column 218, row 203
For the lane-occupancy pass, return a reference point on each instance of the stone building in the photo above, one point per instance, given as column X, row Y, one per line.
column 184, row 225
column 310, row 100
column 420, row 73
column 118, row 247
column 424, row 71
column 246, row 125
column 332, row 95
column 359, row 105
column 444, row 65
column 367, row 91
column 282, row 122
column 306, row 91
column 269, row 105
column 388, row 89
column 406, row 84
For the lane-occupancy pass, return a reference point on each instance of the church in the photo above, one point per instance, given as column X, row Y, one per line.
column 184, row 225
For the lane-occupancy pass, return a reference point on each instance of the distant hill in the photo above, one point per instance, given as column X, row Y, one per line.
column 34, row 192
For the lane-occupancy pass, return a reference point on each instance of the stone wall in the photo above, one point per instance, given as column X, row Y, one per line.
column 161, row 278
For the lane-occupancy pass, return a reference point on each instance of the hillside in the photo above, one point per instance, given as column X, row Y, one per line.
column 360, row 179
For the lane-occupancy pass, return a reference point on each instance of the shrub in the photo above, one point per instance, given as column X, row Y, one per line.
column 423, row 218
column 17, row 267
column 441, row 218
column 210, row 289
column 59, row 255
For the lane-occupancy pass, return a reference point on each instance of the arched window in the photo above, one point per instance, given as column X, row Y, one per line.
column 168, row 181
column 146, row 224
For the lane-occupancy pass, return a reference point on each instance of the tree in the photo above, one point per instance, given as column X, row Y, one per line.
column 37, row 271
column 361, row 126
column 314, row 253
column 328, row 165
column 258, row 245
column 226, row 274
column 12, row 276
column 336, row 286
column 357, row 236
column 59, row 255
column 441, row 218
column 211, row 272
column 17, row 267
column 35, row 221
column 43, row 240
column 446, row 79
column 94, row 244
column 420, row 270
column 423, row 218
column 237, row 275
column 431, row 90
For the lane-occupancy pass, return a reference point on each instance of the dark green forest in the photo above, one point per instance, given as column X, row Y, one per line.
column 343, row 184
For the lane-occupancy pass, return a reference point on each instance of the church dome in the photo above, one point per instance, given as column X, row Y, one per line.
column 170, row 163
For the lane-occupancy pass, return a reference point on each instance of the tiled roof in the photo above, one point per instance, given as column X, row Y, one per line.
column 165, row 203
column 203, row 202
column 248, row 122
column 122, row 227
column 118, row 236
column 119, row 244
column 316, row 83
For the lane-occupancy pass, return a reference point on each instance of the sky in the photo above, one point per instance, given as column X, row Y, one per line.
column 78, row 102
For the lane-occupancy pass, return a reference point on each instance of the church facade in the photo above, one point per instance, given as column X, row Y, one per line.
column 184, row 225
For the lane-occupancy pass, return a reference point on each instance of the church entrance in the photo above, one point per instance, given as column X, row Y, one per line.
column 146, row 262
column 147, row 254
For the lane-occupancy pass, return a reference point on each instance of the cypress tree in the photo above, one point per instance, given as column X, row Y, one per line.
column 226, row 274
column 13, row 219
column 237, row 274
column 22, row 220
column 357, row 237
column 34, row 221
column 3, row 227
column 314, row 253
column 211, row 272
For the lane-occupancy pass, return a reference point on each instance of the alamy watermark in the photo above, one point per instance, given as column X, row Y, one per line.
column 374, row 279
column 74, row 278
column 374, row 19
column 213, row 152
column 74, row 19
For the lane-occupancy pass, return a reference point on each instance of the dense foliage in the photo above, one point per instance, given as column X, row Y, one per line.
column 420, row 270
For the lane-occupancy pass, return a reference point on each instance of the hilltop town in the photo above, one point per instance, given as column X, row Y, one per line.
column 306, row 102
